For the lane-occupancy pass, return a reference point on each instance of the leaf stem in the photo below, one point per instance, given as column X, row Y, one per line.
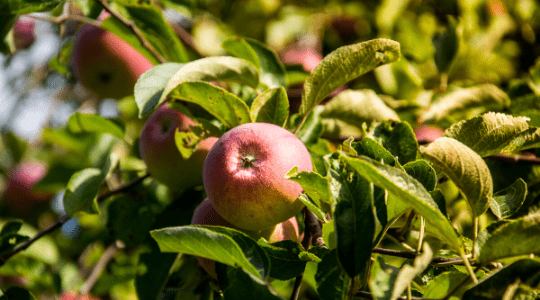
column 421, row 235
column 468, row 266
column 475, row 236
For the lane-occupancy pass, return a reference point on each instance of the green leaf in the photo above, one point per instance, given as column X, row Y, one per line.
column 272, row 106
column 372, row 149
column 151, row 84
column 354, row 108
column 83, row 187
column 226, row 107
column 312, row 129
column 509, row 200
column 408, row 191
column 7, row 45
column 423, row 172
column 186, row 142
column 526, row 271
column 388, row 282
column 22, row 7
column 128, row 220
column 343, row 65
column 354, row 220
column 240, row 284
column 158, row 265
column 272, row 71
column 506, row 239
column 9, row 236
column 286, row 258
column 332, row 281
column 214, row 243
column 485, row 96
column 446, row 47
column 315, row 185
column 149, row 19
column 465, row 168
column 398, row 138
column 240, row 48
column 218, row 68
column 488, row 134
column 79, row 123
column 443, row 284
column 15, row 145
column 17, row 293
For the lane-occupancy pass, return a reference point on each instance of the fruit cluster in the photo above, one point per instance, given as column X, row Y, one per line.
column 243, row 174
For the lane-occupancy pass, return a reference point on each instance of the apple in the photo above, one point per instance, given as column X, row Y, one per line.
column 23, row 33
column 104, row 63
column 426, row 134
column 160, row 153
column 307, row 57
column 205, row 214
column 19, row 197
column 76, row 296
column 244, row 175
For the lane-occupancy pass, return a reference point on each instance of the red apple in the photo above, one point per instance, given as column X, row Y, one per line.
column 308, row 58
column 205, row 214
column 76, row 296
column 160, row 153
column 105, row 64
column 426, row 134
column 244, row 175
column 23, row 33
column 19, row 196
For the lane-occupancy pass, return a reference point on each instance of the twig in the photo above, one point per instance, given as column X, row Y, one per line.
column 186, row 38
column 39, row 235
column 63, row 219
column 414, row 254
column 366, row 295
column 62, row 19
column 314, row 227
column 107, row 256
column 516, row 159
column 306, row 241
column 134, row 29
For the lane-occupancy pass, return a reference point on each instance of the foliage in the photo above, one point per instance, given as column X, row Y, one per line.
column 385, row 217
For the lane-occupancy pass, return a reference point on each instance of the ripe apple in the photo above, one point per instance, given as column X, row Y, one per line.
column 307, row 57
column 105, row 64
column 205, row 214
column 19, row 197
column 75, row 296
column 160, row 153
column 23, row 33
column 244, row 175
column 426, row 134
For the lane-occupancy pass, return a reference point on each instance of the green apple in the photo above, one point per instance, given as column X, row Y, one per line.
column 105, row 64
column 205, row 214
column 244, row 175
column 160, row 153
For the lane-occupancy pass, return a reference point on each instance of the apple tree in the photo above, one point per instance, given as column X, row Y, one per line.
column 271, row 150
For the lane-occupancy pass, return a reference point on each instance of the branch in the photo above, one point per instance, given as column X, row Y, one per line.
column 134, row 29
column 516, row 159
column 413, row 255
column 306, row 241
column 63, row 219
column 107, row 256
column 62, row 19
column 186, row 38
column 314, row 227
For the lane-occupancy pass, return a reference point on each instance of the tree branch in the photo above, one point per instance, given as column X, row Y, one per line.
column 134, row 29
column 63, row 219
column 516, row 159
column 306, row 242
column 107, row 256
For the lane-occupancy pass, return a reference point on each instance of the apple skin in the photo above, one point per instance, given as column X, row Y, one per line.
column 308, row 58
column 75, row 296
column 205, row 214
column 160, row 153
column 19, row 197
column 23, row 33
column 105, row 64
column 244, row 175
column 426, row 134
